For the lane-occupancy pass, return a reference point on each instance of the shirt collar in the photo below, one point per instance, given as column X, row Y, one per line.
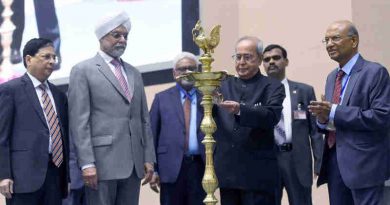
column 347, row 68
column 284, row 81
column 184, row 93
column 105, row 56
column 36, row 82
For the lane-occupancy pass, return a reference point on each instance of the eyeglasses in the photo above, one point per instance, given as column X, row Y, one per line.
column 247, row 57
column 275, row 58
column 48, row 57
column 117, row 35
column 186, row 68
column 334, row 39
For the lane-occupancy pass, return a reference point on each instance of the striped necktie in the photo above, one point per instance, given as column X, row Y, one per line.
column 119, row 75
column 336, row 99
column 54, row 127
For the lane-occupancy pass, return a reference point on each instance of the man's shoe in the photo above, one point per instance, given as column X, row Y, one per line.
column 16, row 57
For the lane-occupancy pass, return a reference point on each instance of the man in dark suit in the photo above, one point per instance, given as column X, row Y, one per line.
column 175, row 118
column 355, row 115
column 296, row 133
column 34, row 144
column 245, row 154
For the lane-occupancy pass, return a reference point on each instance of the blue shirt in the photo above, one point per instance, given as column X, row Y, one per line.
column 193, row 146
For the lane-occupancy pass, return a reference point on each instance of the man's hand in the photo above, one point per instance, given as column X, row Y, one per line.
column 320, row 109
column 148, row 172
column 155, row 183
column 90, row 177
column 7, row 188
column 231, row 106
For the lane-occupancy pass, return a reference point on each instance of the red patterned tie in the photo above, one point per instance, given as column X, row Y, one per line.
column 336, row 100
column 118, row 74
column 187, row 118
column 54, row 127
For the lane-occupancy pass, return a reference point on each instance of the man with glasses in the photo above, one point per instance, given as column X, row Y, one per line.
column 109, row 119
column 296, row 133
column 34, row 146
column 175, row 118
column 355, row 116
column 245, row 155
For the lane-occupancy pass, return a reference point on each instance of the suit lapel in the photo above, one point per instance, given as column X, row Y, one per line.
column 58, row 105
column 130, row 78
column 355, row 74
column 177, row 105
column 31, row 93
column 56, row 98
column 106, row 71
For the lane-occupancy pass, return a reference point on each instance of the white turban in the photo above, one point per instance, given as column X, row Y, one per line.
column 110, row 22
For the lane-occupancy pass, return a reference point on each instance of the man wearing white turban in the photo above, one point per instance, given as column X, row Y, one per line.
column 109, row 119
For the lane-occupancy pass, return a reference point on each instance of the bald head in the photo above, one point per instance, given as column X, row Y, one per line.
column 346, row 25
column 342, row 40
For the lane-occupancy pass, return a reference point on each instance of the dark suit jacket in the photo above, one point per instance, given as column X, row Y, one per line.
column 305, row 137
column 24, row 135
column 245, row 154
column 362, row 124
column 167, row 121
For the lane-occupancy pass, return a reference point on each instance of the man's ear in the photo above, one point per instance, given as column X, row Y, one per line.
column 28, row 59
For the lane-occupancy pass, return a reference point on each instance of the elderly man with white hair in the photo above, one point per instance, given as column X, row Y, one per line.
column 175, row 118
column 109, row 119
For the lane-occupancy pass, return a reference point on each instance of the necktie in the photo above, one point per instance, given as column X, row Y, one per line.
column 336, row 99
column 118, row 74
column 54, row 127
column 280, row 132
column 187, row 118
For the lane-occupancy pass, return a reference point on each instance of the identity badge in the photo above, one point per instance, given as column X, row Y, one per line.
column 299, row 114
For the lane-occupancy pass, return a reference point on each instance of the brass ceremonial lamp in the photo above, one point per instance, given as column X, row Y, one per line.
column 207, row 82
column 6, row 29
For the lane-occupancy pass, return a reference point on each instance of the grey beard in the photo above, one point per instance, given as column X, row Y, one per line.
column 117, row 52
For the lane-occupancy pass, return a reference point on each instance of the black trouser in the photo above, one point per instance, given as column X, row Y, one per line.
column 187, row 190
column 49, row 194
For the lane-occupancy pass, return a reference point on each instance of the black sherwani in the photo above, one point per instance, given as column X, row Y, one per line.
column 245, row 154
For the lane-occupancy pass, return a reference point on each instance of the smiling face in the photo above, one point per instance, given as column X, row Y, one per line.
column 247, row 59
column 42, row 63
column 275, row 64
column 340, row 44
column 115, row 42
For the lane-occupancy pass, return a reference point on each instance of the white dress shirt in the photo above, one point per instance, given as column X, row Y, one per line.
column 287, row 111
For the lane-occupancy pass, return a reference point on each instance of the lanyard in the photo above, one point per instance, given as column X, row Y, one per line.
column 344, row 85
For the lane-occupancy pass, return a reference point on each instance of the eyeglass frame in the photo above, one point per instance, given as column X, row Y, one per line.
column 118, row 35
column 246, row 56
column 335, row 39
column 47, row 57
column 184, row 69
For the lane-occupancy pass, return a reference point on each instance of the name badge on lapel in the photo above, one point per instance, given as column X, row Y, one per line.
column 299, row 114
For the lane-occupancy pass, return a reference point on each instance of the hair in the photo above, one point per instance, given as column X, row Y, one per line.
column 273, row 46
column 32, row 47
column 183, row 55
column 259, row 43
column 352, row 30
